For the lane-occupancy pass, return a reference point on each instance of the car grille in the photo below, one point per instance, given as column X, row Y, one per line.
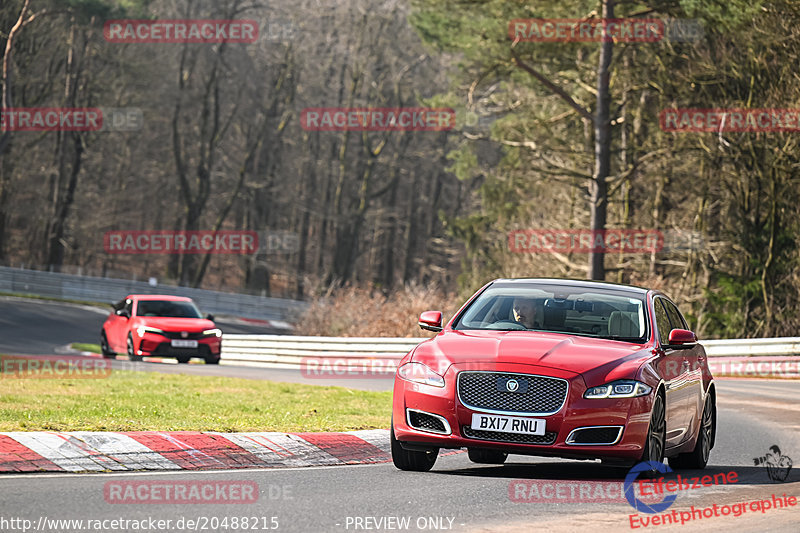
column 426, row 422
column 540, row 395
column 546, row 439
column 598, row 435
column 166, row 349
column 177, row 335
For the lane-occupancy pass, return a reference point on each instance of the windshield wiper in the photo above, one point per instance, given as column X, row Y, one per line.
column 623, row 339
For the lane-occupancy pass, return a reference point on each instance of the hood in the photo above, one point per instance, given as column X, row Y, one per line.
column 192, row 325
column 551, row 350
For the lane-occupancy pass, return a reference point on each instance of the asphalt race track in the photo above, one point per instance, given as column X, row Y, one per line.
column 476, row 498
column 40, row 327
column 45, row 327
column 455, row 496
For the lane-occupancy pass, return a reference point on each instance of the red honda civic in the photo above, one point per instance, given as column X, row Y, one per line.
column 161, row 326
column 549, row 367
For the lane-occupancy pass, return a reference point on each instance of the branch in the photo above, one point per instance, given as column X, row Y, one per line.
column 521, row 144
column 553, row 87
column 565, row 260
column 7, row 81
column 620, row 178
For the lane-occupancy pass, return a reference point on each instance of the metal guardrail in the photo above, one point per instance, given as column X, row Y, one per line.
column 287, row 351
column 753, row 347
column 94, row 289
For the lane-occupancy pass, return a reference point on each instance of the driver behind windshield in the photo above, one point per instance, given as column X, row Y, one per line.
column 524, row 312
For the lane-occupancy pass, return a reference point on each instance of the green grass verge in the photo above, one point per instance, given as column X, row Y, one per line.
column 83, row 347
column 150, row 401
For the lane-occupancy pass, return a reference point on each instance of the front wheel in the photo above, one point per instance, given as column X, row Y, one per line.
column 105, row 349
column 131, row 352
column 656, row 435
column 698, row 457
column 183, row 359
column 412, row 460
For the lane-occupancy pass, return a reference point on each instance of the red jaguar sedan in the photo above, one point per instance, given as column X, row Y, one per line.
column 547, row 367
column 161, row 326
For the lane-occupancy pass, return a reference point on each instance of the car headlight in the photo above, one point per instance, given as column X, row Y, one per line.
column 141, row 330
column 216, row 332
column 419, row 373
column 623, row 388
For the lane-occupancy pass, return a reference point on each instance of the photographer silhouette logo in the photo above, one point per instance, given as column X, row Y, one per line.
column 778, row 465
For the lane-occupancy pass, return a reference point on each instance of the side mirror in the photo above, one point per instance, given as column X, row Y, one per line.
column 682, row 339
column 210, row 317
column 431, row 321
column 124, row 312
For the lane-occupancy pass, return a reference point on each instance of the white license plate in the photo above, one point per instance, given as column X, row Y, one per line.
column 180, row 343
column 508, row 424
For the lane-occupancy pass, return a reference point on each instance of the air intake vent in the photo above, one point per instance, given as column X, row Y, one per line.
column 428, row 422
column 598, row 435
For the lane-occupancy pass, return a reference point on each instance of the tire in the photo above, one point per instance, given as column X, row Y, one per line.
column 412, row 460
column 182, row 359
column 697, row 459
column 486, row 457
column 105, row 349
column 212, row 360
column 131, row 353
column 656, row 435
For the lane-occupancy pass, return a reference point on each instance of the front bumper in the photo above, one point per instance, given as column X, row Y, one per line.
column 156, row 345
column 622, row 423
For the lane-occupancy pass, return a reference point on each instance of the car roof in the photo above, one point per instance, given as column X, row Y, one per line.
column 167, row 297
column 574, row 283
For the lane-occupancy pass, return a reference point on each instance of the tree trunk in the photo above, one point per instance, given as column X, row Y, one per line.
column 8, row 80
column 598, row 188
column 69, row 158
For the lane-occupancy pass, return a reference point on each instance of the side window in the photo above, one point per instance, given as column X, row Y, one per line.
column 662, row 321
column 674, row 315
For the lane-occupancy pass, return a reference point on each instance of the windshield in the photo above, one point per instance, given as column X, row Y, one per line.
column 604, row 313
column 167, row 308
